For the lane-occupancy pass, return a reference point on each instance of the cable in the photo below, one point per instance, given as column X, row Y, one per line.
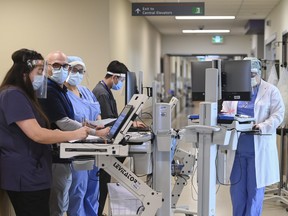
column 217, row 177
column 193, row 186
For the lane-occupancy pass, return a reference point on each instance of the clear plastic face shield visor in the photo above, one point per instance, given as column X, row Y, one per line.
column 41, row 77
column 78, row 67
column 121, row 77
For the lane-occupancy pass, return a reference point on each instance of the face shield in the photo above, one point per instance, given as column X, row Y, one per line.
column 120, row 80
column 121, row 77
column 40, row 79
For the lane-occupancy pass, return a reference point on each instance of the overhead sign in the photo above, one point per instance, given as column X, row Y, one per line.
column 168, row 9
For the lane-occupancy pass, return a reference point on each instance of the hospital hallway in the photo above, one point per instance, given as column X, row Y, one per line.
column 223, row 202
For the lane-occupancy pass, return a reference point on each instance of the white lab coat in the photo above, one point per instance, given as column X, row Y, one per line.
column 269, row 113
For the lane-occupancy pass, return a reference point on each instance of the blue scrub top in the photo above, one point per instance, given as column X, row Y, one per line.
column 86, row 106
column 246, row 141
column 24, row 164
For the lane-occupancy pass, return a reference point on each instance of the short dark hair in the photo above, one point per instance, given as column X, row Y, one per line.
column 116, row 67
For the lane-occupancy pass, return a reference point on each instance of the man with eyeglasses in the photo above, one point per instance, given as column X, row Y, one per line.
column 58, row 108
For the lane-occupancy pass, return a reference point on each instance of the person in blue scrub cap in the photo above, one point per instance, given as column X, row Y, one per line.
column 255, row 163
column 60, row 112
column 84, row 190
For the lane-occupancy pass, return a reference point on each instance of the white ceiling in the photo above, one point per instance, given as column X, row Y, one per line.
column 243, row 10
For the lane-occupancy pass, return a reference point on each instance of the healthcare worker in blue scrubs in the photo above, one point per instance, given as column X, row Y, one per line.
column 84, row 190
column 256, row 162
column 25, row 150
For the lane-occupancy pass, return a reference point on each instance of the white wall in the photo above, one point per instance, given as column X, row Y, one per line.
column 72, row 26
column 134, row 41
column 201, row 44
column 99, row 31
column 278, row 24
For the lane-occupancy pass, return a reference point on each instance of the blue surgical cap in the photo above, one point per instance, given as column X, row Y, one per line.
column 255, row 65
column 75, row 60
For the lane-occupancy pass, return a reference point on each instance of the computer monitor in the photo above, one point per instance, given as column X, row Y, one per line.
column 127, row 110
column 130, row 86
column 198, row 69
column 236, row 80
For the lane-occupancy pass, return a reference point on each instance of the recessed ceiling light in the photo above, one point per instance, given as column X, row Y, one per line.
column 207, row 31
column 203, row 17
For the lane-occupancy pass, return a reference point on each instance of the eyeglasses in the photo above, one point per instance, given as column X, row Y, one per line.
column 57, row 66
column 75, row 70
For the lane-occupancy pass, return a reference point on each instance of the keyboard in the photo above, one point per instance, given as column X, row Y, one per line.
column 139, row 129
column 94, row 140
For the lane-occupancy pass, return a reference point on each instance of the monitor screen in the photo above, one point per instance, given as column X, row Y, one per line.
column 130, row 86
column 198, row 79
column 120, row 121
column 236, row 80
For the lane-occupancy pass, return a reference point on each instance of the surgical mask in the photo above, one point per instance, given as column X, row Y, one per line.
column 38, row 81
column 117, row 86
column 59, row 76
column 253, row 81
column 74, row 79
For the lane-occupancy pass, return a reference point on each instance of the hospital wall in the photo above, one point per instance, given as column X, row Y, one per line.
column 103, row 30
column 276, row 24
column 202, row 44
column 99, row 31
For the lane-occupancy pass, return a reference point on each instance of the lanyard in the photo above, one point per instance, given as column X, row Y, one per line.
column 106, row 87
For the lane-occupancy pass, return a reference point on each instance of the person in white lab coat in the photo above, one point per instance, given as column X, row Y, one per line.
column 255, row 162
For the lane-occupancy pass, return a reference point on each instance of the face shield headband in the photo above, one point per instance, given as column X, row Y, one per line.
column 121, row 76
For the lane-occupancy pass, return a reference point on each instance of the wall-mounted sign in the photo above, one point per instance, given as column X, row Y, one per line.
column 168, row 9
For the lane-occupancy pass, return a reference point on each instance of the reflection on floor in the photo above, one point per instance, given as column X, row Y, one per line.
column 188, row 197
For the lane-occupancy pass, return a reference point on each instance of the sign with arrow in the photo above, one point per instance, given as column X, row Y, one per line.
column 168, row 9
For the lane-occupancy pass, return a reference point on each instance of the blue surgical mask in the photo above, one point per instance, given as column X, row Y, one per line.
column 38, row 81
column 59, row 76
column 74, row 79
column 117, row 86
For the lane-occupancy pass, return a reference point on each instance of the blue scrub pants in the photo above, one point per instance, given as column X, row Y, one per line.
column 84, row 193
column 247, row 199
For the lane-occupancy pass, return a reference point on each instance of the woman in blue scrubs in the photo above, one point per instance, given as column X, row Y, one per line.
column 25, row 160
column 256, row 162
column 84, row 190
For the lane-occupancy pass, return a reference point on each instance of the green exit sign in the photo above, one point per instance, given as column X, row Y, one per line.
column 197, row 11
column 168, row 9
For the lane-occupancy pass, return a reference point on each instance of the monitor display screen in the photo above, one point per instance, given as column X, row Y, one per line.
column 120, row 121
column 198, row 79
column 130, row 86
column 236, row 80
